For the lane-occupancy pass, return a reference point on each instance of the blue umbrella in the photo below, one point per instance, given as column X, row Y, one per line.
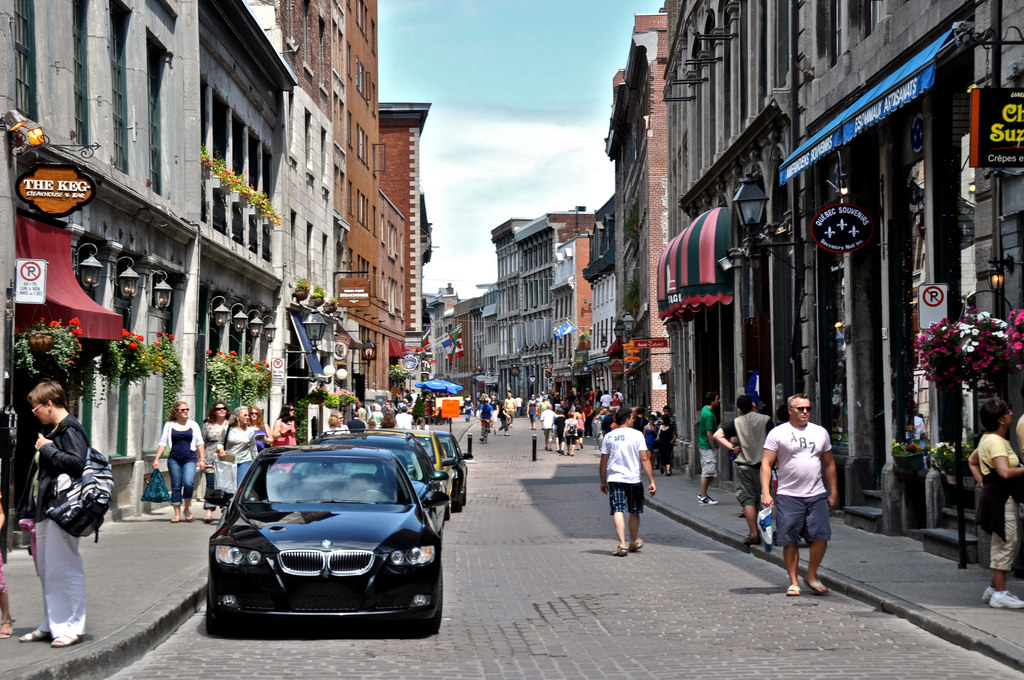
column 438, row 385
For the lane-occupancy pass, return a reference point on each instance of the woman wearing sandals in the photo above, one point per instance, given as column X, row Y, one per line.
column 62, row 450
column 213, row 436
column 184, row 442
column 6, row 623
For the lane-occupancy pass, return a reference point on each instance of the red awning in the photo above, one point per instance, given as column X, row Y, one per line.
column 615, row 349
column 689, row 278
column 65, row 298
column 396, row 348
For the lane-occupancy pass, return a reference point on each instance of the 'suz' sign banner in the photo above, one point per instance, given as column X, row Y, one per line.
column 997, row 128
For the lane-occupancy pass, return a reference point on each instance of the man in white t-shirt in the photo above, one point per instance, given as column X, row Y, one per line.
column 623, row 455
column 547, row 425
column 606, row 400
column 403, row 419
column 802, row 503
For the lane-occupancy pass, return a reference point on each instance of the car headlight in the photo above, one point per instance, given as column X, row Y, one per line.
column 235, row 556
column 416, row 557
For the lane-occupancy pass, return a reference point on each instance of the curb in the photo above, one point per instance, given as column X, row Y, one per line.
column 107, row 656
column 937, row 624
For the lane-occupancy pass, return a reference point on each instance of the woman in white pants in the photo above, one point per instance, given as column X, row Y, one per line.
column 63, row 450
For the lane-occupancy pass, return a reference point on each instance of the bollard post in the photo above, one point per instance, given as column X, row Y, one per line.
column 534, row 448
column 469, row 442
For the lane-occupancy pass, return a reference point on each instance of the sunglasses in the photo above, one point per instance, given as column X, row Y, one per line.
column 802, row 409
column 221, row 408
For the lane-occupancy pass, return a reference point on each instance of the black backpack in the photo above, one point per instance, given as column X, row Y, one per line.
column 79, row 504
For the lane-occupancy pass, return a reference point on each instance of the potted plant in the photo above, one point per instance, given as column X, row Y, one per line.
column 301, row 290
column 942, row 458
column 317, row 296
column 908, row 455
column 330, row 305
column 398, row 373
column 584, row 340
column 48, row 348
column 975, row 350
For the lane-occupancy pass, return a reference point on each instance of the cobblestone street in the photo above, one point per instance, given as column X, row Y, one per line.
column 532, row 591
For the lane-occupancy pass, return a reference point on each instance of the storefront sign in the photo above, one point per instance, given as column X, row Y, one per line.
column 409, row 361
column 997, row 128
column 842, row 228
column 649, row 343
column 353, row 292
column 616, row 366
column 56, row 189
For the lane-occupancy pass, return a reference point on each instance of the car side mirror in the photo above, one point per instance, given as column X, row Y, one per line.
column 441, row 476
column 436, row 499
column 216, row 497
column 448, row 462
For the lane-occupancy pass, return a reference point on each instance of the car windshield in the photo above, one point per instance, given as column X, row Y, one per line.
column 407, row 451
column 325, row 479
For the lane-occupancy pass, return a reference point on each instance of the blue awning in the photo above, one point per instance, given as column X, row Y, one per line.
column 312, row 360
column 903, row 85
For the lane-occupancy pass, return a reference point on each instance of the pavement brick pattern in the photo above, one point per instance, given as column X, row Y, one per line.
column 532, row 591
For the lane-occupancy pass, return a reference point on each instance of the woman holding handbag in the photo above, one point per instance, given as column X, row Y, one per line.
column 214, row 429
column 283, row 433
column 239, row 452
column 63, row 450
column 183, row 440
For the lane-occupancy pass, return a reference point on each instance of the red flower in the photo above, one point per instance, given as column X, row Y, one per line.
column 139, row 338
column 74, row 322
column 209, row 352
column 132, row 345
column 54, row 324
column 234, row 353
column 125, row 333
column 76, row 332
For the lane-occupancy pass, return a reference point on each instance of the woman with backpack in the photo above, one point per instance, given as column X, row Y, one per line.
column 62, row 450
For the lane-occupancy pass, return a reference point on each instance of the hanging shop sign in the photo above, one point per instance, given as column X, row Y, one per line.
column 842, row 228
column 997, row 127
column 56, row 189
column 616, row 366
column 353, row 292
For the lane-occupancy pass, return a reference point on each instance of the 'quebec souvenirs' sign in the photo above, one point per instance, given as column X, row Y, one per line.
column 56, row 189
column 842, row 228
column 997, row 128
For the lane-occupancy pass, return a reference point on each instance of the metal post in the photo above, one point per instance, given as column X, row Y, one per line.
column 535, row 448
column 469, row 441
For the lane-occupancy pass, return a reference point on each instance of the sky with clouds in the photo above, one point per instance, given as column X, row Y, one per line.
column 520, row 94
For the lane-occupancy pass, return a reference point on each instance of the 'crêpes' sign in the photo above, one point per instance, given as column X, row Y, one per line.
column 997, row 128
column 842, row 228
column 56, row 189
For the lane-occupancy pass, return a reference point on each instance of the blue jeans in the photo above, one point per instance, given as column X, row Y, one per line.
column 241, row 470
column 183, row 477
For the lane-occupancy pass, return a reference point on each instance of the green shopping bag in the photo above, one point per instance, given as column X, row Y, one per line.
column 156, row 489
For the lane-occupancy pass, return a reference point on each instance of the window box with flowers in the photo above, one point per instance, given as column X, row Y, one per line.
column 238, row 185
column 908, row 455
column 398, row 373
column 942, row 459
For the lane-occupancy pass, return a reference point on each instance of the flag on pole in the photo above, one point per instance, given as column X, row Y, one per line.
column 457, row 350
column 426, row 338
column 565, row 329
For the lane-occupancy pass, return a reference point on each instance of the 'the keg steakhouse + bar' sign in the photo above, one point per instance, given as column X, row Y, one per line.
column 56, row 189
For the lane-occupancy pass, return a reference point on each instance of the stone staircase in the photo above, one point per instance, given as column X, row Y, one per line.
column 868, row 516
column 942, row 540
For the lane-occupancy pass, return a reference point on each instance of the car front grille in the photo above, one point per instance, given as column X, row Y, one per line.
column 338, row 562
column 349, row 562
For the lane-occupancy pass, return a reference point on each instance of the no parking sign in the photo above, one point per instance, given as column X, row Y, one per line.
column 30, row 281
column 932, row 304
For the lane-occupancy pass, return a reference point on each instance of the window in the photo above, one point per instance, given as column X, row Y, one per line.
column 119, row 103
column 156, row 65
column 78, row 36
column 307, row 123
column 25, row 57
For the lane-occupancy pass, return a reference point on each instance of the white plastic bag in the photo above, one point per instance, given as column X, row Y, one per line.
column 764, row 527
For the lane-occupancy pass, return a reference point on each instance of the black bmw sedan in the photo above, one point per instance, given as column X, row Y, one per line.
column 326, row 531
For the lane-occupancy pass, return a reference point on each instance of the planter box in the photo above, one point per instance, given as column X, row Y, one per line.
column 215, row 182
column 914, row 461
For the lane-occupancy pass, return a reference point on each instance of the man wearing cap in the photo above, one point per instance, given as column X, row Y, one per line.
column 750, row 428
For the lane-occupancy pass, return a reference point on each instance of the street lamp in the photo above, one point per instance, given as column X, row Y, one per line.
column 128, row 280
column 751, row 201
column 239, row 319
column 89, row 269
column 315, row 326
column 269, row 328
column 996, row 273
column 220, row 311
column 161, row 291
column 623, row 326
column 255, row 324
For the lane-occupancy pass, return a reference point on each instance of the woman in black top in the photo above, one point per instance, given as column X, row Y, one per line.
column 61, row 451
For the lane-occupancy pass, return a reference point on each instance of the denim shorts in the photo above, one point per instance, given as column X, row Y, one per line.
column 624, row 497
column 795, row 518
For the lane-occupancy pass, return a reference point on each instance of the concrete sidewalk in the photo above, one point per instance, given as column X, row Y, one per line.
column 147, row 576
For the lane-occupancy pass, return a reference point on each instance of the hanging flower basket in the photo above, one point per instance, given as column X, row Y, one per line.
column 316, row 301
column 39, row 342
column 974, row 351
column 300, row 295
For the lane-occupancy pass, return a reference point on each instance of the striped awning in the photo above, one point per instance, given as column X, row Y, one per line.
column 689, row 278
